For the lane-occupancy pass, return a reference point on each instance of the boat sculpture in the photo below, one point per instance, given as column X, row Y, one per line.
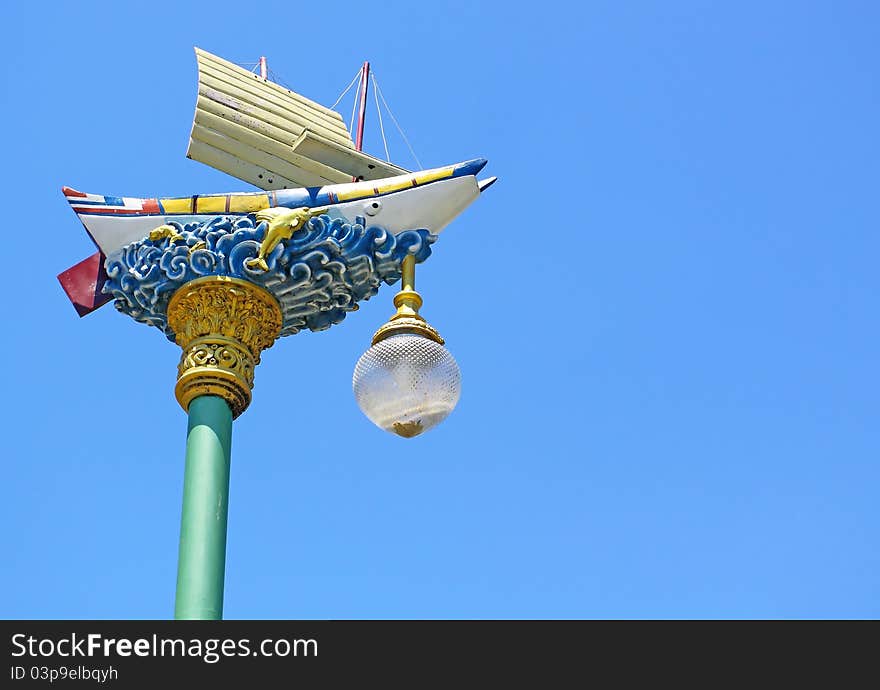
column 274, row 138
column 428, row 199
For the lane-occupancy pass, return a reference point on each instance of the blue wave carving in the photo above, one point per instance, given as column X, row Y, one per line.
column 317, row 276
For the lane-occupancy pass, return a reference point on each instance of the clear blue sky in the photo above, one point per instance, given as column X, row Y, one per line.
column 665, row 312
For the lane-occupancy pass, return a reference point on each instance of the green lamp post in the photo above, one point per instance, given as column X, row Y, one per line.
column 222, row 324
column 224, row 276
column 202, row 559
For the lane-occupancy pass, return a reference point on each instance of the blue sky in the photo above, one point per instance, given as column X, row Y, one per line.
column 665, row 313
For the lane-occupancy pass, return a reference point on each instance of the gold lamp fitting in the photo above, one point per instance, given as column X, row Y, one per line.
column 222, row 324
column 408, row 302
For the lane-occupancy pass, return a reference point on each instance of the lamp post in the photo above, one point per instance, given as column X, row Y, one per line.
column 222, row 324
column 205, row 288
column 224, row 276
column 201, row 564
column 405, row 383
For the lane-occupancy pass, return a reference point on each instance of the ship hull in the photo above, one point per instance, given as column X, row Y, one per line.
column 429, row 200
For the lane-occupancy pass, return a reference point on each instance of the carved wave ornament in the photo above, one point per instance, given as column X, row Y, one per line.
column 225, row 289
column 317, row 276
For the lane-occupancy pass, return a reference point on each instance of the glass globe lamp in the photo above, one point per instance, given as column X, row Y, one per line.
column 407, row 382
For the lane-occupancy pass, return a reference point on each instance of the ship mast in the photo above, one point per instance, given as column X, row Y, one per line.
column 362, row 110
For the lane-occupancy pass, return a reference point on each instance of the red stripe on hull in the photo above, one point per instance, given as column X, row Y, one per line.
column 98, row 211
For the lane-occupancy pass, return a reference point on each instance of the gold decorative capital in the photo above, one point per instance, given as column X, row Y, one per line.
column 222, row 324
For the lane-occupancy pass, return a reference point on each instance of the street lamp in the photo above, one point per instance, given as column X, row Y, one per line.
column 407, row 382
column 224, row 276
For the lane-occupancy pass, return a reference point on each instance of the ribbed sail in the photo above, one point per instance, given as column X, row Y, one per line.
column 262, row 133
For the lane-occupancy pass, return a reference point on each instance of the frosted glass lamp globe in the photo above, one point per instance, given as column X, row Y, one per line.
column 406, row 384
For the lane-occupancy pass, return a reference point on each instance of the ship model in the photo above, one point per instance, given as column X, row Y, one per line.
column 297, row 152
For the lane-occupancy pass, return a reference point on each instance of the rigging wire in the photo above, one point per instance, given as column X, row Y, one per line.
column 377, row 94
column 394, row 120
column 354, row 105
column 347, row 89
column 274, row 76
column 379, row 112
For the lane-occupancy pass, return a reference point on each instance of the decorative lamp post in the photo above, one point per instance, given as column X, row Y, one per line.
column 222, row 324
column 224, row 276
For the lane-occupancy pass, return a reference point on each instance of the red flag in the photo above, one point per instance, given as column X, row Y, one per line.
column 83, row 284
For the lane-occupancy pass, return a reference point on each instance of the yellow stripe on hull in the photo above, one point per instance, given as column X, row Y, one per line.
column 362, row 190
column 248, row 203
column 405, row 184
column 177, row 206
column 438, row 174
column 211, row 204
